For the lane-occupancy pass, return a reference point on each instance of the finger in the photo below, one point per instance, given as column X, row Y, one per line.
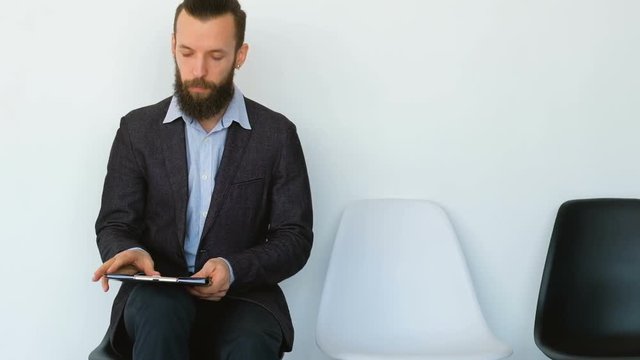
column 198, row 289
column 101, row 270
column 147, row 267
column 208, row 294
column 220, row 274
column 209, row 297
column 220, row 283
column 221, row 292
column 206, row 270
column 116, row 264
column 196, row 293
column 105, row 283
column 128, row 269
column 205, row 292
column 212, row 288
column 97, row 275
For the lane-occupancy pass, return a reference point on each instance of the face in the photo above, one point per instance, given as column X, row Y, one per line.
column 205, row 55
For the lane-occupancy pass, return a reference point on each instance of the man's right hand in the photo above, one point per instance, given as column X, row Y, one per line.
column 130, row 261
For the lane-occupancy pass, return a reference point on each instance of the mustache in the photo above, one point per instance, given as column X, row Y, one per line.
column 199, row 82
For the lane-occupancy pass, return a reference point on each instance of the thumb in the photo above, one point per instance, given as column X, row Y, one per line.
column 147, row 267
column 206, row 270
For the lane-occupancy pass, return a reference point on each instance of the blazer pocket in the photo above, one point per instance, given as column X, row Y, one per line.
column 248, row 182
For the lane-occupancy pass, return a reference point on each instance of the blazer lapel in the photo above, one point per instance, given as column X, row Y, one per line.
column 234, row 147
column 175, row 155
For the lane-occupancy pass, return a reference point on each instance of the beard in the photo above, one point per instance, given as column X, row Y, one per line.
column 203, row 106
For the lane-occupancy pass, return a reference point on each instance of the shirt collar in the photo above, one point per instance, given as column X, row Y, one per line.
column 236, row 111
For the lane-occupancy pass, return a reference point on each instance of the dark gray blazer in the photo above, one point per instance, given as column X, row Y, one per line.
column 260, row 218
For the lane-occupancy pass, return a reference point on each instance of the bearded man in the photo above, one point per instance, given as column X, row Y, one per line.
column 206, row 183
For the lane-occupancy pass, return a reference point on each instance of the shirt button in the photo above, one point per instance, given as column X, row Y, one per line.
column 204, row 177
column 204, row 214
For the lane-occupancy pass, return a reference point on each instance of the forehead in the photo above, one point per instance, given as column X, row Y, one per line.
column 205, row 34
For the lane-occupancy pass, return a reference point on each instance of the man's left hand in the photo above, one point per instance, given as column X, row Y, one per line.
column 218, row 273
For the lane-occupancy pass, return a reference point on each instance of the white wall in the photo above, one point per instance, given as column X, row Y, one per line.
column 498, row 110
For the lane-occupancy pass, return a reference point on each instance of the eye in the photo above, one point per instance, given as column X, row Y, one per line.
column 217, row 57
column 186, row 54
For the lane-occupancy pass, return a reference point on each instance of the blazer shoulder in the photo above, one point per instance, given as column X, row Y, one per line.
column 260, row 115
column 151, row 114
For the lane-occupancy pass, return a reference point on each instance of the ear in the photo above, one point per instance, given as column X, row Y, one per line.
column 173, row 44
column 241, row 55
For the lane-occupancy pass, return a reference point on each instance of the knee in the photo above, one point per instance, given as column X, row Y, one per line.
column 254, row 345
column 150, row 304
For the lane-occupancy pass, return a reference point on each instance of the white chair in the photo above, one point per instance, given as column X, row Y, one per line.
column 398, row 287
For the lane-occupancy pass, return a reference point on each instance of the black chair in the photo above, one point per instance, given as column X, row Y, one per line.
column 589, row 302
column 104, row 351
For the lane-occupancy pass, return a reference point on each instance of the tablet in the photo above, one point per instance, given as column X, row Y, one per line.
column 160, row 279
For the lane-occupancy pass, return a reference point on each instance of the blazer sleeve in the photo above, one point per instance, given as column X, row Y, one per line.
column 120, row 221
column 290, row 236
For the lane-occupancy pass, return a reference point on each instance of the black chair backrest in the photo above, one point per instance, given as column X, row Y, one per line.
column 589, row 301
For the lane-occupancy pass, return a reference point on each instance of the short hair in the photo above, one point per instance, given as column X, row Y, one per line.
column 209, row 9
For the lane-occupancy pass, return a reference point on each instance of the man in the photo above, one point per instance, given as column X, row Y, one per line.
column 206, row 183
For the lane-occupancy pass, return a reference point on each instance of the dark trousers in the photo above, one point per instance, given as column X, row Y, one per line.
column 165, row 322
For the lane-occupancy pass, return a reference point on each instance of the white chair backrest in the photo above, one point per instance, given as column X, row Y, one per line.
column 398, row 283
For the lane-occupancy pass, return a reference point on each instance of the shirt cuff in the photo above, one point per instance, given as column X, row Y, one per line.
column 231, row 276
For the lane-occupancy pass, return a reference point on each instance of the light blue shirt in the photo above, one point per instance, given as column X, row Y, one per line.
column 204, row 153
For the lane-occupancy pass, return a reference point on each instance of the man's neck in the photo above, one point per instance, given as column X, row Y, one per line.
column 210, row 123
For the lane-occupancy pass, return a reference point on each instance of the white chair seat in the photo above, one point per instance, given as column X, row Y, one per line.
column 398, row 287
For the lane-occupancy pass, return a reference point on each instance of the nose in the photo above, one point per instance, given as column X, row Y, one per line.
column 200, row 68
